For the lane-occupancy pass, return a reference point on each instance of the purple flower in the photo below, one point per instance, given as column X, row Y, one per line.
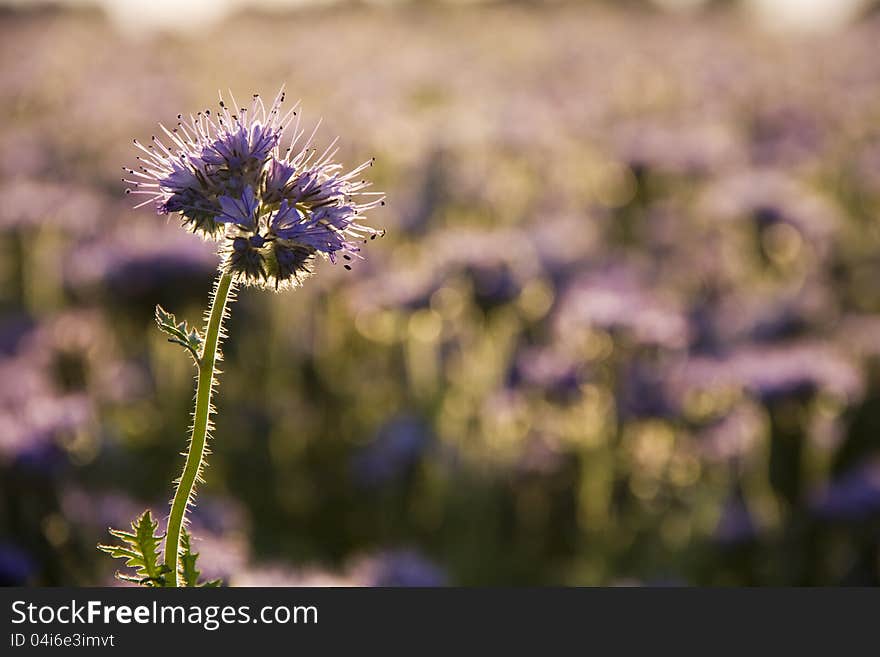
column 273, row 210
column 286, row 223
column 551, row 369
column 775, row 372
column 622, row 301
column 278, row 175
column 53, row 387
column 328, row 229
column 190, row 189
column 240, row 211
column 246, row 146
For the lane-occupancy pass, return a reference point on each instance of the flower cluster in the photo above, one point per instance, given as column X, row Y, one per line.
column 272, row 208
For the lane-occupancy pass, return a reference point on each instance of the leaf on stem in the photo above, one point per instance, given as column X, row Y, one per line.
column 179, row 332
column 140, row 549
column 188, row 567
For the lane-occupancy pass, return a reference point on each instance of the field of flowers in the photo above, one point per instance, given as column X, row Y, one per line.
column 624, row 326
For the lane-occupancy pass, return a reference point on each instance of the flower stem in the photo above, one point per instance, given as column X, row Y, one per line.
column 201, row 423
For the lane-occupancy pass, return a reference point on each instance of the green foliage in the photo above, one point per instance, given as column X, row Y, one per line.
column 179, row 332
column 188, row 564
column 140, row 549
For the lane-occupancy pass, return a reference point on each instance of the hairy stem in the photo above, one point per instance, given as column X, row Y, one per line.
column 201, row 424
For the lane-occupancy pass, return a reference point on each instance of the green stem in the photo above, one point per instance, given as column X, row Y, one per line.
column 201, row 422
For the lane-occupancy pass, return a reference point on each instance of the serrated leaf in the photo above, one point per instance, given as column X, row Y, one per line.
column 188, row 561
column 179, row 332
column 188, row 567
column 140, row 549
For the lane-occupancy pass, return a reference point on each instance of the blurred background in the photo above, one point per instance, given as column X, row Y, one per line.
column 624, row 327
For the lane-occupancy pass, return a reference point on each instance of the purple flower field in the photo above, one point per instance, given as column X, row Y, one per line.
column 623, row 326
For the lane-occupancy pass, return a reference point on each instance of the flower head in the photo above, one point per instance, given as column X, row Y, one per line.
column 272, row 209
